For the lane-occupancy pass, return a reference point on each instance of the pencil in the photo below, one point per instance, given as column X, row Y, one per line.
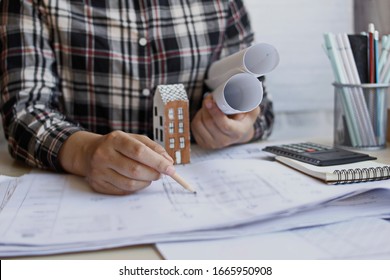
column 182, row 182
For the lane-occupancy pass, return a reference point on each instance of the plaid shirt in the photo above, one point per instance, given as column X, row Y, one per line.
column 70, row 65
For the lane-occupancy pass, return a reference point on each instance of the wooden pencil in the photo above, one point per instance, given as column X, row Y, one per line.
column 182, row 182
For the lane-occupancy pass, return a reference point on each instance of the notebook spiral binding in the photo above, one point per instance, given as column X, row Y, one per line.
column 346, row 176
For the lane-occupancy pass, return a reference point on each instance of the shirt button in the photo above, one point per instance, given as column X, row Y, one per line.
column 145, row 92
column 142, row 41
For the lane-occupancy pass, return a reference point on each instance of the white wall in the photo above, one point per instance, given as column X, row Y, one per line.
column 303, row 79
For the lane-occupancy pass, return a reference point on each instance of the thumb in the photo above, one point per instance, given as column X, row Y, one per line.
column 238, row 117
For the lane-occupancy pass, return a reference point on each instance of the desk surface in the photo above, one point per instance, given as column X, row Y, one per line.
column 10, row 167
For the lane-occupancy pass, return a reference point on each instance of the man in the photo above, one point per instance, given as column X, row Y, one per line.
column 78, row 77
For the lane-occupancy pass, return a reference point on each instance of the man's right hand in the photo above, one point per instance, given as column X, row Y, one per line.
column 116, row 163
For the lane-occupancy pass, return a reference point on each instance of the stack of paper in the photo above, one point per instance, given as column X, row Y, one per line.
column 365, row 238
column 49, row 213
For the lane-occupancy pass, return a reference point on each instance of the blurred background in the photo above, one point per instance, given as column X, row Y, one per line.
column 301, row 84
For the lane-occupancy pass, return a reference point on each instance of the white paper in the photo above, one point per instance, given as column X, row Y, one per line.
column 241, row 93
column 233, row 79
column 247, row 151
column 256, row 60
column 356, row 239
column 7, row 189
column 4, row 178
column 60, row 209
column 374, row 203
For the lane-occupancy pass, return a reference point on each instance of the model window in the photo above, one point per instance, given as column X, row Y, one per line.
column 181, row 127
column 180, row 113
column 156, row 133
column 161, row 135
column 155, row 110
column 171, row 128
column 172, row 143
column 161, row 121
column 182, row 142
column 170, row 113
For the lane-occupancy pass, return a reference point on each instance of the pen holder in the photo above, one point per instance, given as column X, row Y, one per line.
column 360, row 115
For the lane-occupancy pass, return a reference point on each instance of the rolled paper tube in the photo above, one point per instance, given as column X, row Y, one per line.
column 241, row 93
column 257, row 60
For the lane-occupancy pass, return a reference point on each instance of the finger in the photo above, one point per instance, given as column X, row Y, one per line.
column 141, row 172
column 127, row 185
column 239, row 117
column 252, row 114
column 220, row 121
column 140, row 152
column 217, row 139
column 207, row 132
column 209, row 116
column 154, row 146
column 132, row 169
column 104, row 187
column 205, row 127
column 199, row 132
column 137, row 178
column 227, row 129
column 212, row 107
column 114, row 183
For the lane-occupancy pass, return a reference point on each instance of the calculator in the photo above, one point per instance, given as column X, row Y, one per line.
column 317, row 154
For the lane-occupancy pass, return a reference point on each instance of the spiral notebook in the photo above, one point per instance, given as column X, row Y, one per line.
column 341, row 174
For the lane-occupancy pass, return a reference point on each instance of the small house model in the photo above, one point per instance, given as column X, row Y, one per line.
column 171, row 122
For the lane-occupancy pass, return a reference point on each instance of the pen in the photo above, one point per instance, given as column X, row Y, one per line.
column 385, row 51
column 182, row 182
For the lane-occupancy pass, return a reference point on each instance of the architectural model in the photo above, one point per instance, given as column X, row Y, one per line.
column 171, row 123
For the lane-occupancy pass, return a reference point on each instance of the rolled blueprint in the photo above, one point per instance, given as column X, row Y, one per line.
column 241, row 93
column 256, row 60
